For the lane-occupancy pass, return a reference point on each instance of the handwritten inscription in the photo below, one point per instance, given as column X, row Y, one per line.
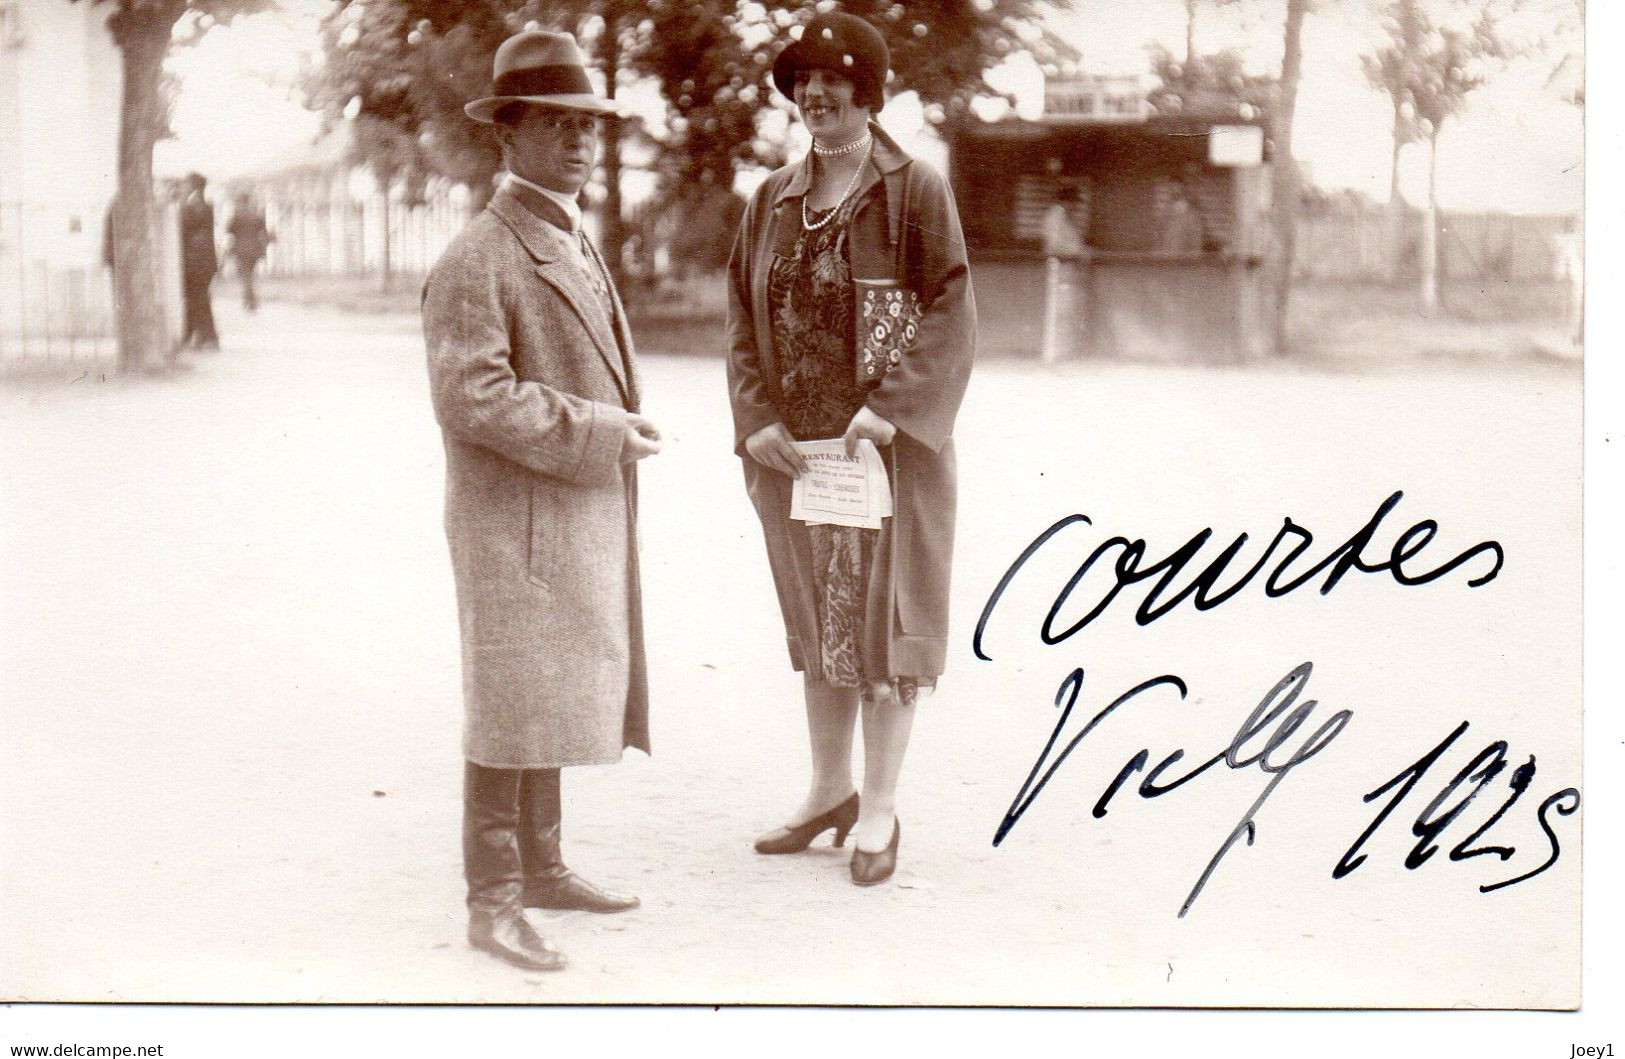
column 1279, row 715
column 1129, row 569
column 1433, row 820
column 1286, row 729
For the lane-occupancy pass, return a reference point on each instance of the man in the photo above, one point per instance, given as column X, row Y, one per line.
column 1064, row 248
column 249, row 239
column 535, row 387
column 198, row 264
column 1179, row 233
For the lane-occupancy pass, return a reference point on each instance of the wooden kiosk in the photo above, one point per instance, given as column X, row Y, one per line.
column 1168, row 216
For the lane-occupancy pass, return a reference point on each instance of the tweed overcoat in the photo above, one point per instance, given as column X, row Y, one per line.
column 905, row 221
column 532, row 377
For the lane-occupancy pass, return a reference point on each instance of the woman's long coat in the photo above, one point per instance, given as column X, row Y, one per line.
column 898, row 198
column 532, row 377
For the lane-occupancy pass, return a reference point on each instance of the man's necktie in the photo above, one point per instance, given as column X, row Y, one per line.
column 595, row 270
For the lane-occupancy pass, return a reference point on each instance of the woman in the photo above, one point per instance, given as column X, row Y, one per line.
column 865, row 611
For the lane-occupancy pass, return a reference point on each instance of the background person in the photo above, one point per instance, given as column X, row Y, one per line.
column 1064, row 249
column 1179, row 228
column 865, row 611
column 199, row 263
column 249, row 240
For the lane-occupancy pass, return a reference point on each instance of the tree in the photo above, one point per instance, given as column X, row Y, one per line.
column 1429, row 67
column 1284, row 194
column 143, row 31
column 1207, row 83
column 404, row 68
column 1566, row 76
column 1391, row 69
column 1220, row 81
column 1192, row 9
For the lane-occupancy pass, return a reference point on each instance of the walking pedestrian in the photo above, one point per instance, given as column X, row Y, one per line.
column 199, row 263
column 249, row 240
column 865, row 610
column 535, row 387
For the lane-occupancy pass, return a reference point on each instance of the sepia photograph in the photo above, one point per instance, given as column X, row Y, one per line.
column 728, row 504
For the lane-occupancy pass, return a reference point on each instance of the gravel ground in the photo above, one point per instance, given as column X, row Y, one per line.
column 231, row 696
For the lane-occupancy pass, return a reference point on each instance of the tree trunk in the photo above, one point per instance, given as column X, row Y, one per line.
column 1396, row 201
column 1284, row 199
column 387, row 268
column 1430, row 231
column 614, row 228
column 1190, row 34
column 143, row 338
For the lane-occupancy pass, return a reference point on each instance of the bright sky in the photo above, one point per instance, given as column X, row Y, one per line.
column 1517, row 147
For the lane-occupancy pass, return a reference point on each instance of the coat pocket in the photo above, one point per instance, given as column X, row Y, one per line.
column 539, row 559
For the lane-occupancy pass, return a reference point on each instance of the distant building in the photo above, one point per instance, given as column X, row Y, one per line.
column 1170, row 212
column 1086, row 99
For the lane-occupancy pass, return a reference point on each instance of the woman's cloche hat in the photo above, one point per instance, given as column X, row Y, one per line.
column 543, row 68
column 841, row 43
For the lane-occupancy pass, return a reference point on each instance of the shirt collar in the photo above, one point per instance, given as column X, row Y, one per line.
column 567, row 203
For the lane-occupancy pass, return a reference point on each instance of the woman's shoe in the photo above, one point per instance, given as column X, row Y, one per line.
column 796, row 839
column 871, row 868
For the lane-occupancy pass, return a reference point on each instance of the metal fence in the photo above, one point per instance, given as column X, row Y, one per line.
column 328, row 235
column 56, row 298
column 1360, row 246
column 322, row 234
column 55, row 301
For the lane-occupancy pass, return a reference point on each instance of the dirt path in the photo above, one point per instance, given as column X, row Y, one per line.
column 231, row 693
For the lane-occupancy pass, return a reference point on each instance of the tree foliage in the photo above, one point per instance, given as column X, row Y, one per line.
column 143, row 31
column 1428, row 67
column 1430, row 61
column 1207, row 83
column 1193, row 9
column 404, row 68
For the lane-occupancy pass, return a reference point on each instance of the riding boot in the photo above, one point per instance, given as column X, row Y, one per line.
column 496, row 921
column 548, row 882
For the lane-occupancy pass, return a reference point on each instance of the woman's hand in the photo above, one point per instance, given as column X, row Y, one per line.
column 868, row 424
column 773, row 447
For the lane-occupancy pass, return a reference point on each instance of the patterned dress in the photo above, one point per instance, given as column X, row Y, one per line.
column 811, row 298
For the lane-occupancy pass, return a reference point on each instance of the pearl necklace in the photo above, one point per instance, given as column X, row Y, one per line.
column 813, row 226
column 832, row 152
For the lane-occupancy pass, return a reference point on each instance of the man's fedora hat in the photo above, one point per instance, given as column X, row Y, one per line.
column 841, row 43
column 543, row 68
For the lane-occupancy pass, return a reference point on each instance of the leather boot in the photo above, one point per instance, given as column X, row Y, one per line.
column 548, row 883
column 496, row 921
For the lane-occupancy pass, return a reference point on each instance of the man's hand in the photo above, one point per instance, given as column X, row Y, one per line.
column 773, row 447
column 642, row 438
column 868, row 424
